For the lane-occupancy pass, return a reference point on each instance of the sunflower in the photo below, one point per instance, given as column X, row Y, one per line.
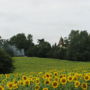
column 56, row 73
column 47, row 82
column 45, row 88
column 77, row 84
column 7, row 75
column 86, row 77
column 84, row 86
column 56, row 78
column 48, row 75
column 61, row 76
column 76, row 74
column 14, row 82
column 75, row 78
column 24, row 77
column 37, row 81
column 54, row 84
column 63, row 80
column 70, row 78
column 10, row 85
column 15, row 85
column 37, row 87
column 1, row 88
column 26, row 82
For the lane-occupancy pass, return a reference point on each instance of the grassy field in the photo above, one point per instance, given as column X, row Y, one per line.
column 33, row 64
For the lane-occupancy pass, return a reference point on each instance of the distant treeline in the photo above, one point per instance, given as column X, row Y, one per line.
column 75, row 47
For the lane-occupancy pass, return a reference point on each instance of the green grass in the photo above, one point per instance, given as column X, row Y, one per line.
column 33, row 64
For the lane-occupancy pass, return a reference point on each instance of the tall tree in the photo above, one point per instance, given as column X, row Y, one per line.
column 43, row 48
column 79, row 46
column 29, row 41
column 19, row 41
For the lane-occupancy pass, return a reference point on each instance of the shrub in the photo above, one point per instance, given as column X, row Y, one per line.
column 6, row 63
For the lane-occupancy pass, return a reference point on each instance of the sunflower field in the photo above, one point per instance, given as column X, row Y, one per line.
column 46, row 74
column 51, row 80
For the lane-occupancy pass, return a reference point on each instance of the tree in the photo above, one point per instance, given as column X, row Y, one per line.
column 43, row 48
column 57, row 52
column 22, row 42
column 7, row 48
column 29, row 41
column 79, row 46
column 61, row 42
column 1, row 42
column 33, row 51
column 54, row 52
column 19, row 41
column 30, row 45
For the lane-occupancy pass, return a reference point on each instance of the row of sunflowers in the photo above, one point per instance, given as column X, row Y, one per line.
column 52, row 80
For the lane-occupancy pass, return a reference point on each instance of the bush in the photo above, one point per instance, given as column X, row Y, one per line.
column 6, row 63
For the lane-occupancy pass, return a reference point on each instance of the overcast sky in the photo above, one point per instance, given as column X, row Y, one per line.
column 47, row 19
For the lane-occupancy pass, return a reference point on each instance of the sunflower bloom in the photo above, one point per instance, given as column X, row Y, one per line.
column 37, row 87
column 1, row 88
column 10, row 85
column 86, row 78
column 26, row 82
column 54, row 84
column 70, row 78
column 24, row 77
column 77, row 84
column 84, row 86
column 63, row 80
column 47, row 82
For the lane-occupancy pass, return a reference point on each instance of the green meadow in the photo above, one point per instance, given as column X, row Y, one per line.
column 34, row 64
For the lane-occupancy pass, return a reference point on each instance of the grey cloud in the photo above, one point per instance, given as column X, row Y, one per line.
column 47, row 19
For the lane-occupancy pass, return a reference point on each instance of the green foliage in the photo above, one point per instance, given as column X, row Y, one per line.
column 74, row 47
column 4, row 44
column 1, row 42
column 7, row 48
column 32, row 51
column 6, row 64
column 19, row 41
column 79, row 46
column 22, row 42
column 54, row 52
column 40, row 50
column 43, row 48
column 58, row 52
